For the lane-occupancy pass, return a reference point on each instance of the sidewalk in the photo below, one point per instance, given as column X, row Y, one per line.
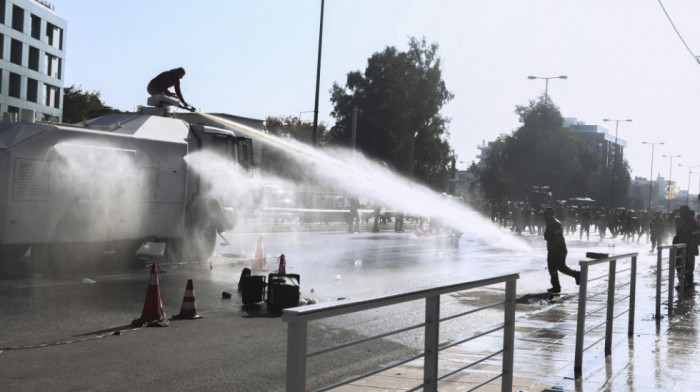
column 660, row 356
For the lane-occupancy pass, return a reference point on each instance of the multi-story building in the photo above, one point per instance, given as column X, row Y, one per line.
column 485, row 153
column 32, row 58
column 599, row 140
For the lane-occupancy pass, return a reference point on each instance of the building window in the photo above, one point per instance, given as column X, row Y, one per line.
column 17, row 18
column 13, row 109
column 2, row 45
column 16, row 52
column 15, row 85
column 54, row 36
column 32, row 90
column 53, row 66
column 33, row 58
column 2, row 11
column 52, row 96
column 36, row 27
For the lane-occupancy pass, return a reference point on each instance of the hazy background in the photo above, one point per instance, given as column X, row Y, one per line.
column 254, row 59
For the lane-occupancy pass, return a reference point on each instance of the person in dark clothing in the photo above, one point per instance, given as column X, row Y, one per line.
column 162, row 83
column 556, row 251
column 688, row 233
column 377, row 218
column 398, row 222
column 585, row 218
column 656, row 228
column 354, row 217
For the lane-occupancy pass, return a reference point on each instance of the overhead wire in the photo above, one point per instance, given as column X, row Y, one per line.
column 697, row 58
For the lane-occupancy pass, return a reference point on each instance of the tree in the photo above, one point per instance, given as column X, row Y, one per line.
column 79, row 105
column 398, row 98
column 543, row 152
column 276, row 160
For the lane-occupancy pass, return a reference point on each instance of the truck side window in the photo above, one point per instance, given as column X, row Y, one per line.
column 219, row 145
column 243, row 153
column 224, row 146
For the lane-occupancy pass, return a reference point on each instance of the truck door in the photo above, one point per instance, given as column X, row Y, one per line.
column 245, row 153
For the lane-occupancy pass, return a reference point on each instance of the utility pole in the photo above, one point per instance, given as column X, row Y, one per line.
column 318, row 78
column 354, row 127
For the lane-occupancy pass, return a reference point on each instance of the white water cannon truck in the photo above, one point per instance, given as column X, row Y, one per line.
column 113, row 183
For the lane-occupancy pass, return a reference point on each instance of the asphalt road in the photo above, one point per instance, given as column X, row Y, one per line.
column 84, row 316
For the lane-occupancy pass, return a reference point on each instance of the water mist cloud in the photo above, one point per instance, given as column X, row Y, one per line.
column 355, row 174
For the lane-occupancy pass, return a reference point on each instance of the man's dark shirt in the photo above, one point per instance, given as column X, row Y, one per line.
column 554, row 235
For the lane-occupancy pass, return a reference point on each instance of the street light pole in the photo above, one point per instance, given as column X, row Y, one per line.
column 687, row 195
column 318, row 78
column 614, row 170
column 413, row 156
column 546, row 99
column 690, row 172
column 651, row 171
column 668, row 187
column 546, row 84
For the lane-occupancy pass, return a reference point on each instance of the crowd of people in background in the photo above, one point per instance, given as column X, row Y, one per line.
column 597, row 223
column 680, row 226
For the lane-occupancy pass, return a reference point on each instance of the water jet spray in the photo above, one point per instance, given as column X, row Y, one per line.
column 356, row 174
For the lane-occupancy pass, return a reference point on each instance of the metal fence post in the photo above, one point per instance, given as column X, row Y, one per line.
column 681, row 275
column 659, row 271
column 610, row 314
column 508, row 337
column 672, row 278
column 633, row 290
column 296, row 356
column 581, row 319
column 432, row 341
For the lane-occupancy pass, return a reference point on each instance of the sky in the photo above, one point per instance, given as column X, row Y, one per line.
column 623, row 60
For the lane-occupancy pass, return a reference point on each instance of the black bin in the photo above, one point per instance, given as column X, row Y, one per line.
column 282, row 291
column 252, row 288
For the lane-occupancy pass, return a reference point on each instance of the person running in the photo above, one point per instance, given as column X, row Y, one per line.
column 161, row 84
column 556, row 251
column 688, row 233
column 656, row 228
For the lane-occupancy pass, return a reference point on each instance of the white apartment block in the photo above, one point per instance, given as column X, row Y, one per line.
column 32, row 61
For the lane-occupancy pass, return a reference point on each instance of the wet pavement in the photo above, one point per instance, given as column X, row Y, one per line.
column 234, row 349
column 661, row 355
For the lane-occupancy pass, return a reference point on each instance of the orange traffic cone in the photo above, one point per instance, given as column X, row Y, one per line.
column 259, row 262
column 188, row 310
column 153, row 312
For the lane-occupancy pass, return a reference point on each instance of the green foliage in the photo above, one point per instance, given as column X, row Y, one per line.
column 79, row 105
column 399, row 94
column 278, row 161
column 543, row 152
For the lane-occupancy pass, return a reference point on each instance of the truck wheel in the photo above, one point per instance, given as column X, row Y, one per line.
column 71, row 258
column 12, row 253
column 174, row 250
column 200, row 242
column 197, row 245
column 11, row 263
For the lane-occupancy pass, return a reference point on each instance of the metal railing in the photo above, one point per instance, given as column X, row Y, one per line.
column 676, row 259
column 609, row 306
column 298, row 319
